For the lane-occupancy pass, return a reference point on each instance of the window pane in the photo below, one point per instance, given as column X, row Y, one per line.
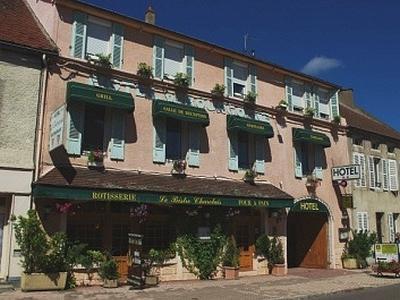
column 239, row 72
column 305, row 159
column 297, row 97
column 238, row 89
column 93, row 137
column 174, row 139
column 98, row 38
column 243, row 148
column 173, row 59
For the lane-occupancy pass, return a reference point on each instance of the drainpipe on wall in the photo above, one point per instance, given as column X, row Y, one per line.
column 39, row 122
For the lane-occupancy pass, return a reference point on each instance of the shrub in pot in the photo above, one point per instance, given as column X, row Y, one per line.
column 218, row 91
column 359, row 248
column 263, row 247
column 181, row 80
column 144, row 71
column 152, row 263
column 43, row 260
column 108, row 271
column 309, row 112
column 230, row 261
column 250, row 98
column 277, row 259
column 90, row 260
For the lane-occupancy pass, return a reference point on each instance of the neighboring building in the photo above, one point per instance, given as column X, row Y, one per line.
column 143, row 126
column 376, row 148
column 24, row 48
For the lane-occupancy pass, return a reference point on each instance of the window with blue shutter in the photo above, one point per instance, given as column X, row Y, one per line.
column 118, row 135
column 158, row 57
column 260, row 154
column 193, row 155
column 78, row 43
column 189, row 57
column 334, row 105
column 75, row 125
column 233, row 162
column 319, row 151
column 289, row 94
column 316, row 102
column 228, row 76
column 298, row 165
column 117, row 45
column 159, row 140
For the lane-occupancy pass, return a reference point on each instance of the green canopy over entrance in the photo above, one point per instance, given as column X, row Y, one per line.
column 95, row 95
column 86, row 194
column 250, row 126
column 181, row 112
column 309, row 136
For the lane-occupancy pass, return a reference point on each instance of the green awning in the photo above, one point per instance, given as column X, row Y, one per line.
column 83, row 194
column 309, row 206
column 95, row 95
column 309, row 136
column 180, row 112
column 250, row 126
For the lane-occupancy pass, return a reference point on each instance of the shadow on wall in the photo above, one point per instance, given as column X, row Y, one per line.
column 61, row 161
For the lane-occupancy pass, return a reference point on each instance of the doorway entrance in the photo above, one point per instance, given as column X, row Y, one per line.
column 245, row 231
column 308, row 235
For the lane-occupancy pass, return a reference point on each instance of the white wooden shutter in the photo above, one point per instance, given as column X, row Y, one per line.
column 363, row 170
column 334, row 105
column 78, row 44
column 117, row 45
column 371, row 168
column 365, row 221
column 228, row 76
column 356, row 161
column 189, row 62
column 233, row 162
column 260, row 155
column 307, row 96
column 316, row 102
column 298, row 165
column 385, row 174
column 289, row 94
column 118, row 135
column 159, row 139
column 393, row 175
column 362, row 221
column 193, row 155
column 158, row 57
column 391, row 227
column 252, row 79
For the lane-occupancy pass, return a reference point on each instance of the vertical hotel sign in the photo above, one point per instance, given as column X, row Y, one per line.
column 57, row 128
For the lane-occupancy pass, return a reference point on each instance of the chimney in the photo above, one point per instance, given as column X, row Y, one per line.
column 150, row 16
column 346, row 97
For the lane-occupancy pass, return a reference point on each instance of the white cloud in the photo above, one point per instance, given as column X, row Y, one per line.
column 321, row 64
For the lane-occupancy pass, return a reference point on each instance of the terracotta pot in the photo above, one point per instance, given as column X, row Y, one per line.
column 43, row 282
column 279, row 270
column 151, row 280
column 350, row 263
column 231, row 273
column 110, row 283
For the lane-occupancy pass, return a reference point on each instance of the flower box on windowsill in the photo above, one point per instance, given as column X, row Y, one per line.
column 95, row 159
column 179, row 167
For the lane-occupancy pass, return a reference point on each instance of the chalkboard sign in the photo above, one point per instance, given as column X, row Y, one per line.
column 135, row 270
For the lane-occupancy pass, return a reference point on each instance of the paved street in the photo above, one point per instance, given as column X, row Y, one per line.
column 300, row 283
column 391, row 292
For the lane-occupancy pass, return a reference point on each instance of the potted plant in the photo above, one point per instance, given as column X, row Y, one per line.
column 282, row 106
column 277, row 259
column 152, row 264
column 90, row 260
column 100, row 59
column 336, row 120
column 358, row 249
column 309, row 112
column 43, row 260
column 249, row 176
column 179, row 167
column 144, row 71
column 181, row 80
column 108, row 271
column 230, row 261
column 263, row 247
column 95, row 159
column 250, row 97
column 218, row 91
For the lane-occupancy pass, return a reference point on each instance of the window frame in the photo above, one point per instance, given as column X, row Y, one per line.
column 174, row 44
column 101, row 22
column 239, row 81
column 180, row 132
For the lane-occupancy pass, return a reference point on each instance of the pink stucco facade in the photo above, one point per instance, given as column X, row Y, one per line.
column 208, row 70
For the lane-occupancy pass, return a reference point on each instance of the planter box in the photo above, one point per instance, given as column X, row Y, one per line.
column 279, row 270
column 110, row 283
column 350, row 263
column 43, row 282
column 231, row 273
column 95, row 164
column 151, row 280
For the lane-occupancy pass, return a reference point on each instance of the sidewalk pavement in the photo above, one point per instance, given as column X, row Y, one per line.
column 299, row 283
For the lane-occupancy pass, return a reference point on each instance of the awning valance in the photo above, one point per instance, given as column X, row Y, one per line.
column 95, row 95
column 250, row 126
column 83, row 194
column 181, row 112
column 309, row 136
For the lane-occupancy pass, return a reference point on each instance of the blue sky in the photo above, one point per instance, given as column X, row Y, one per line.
column 355, row 43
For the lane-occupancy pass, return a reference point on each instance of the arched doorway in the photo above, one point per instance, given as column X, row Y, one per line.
column 308, row 234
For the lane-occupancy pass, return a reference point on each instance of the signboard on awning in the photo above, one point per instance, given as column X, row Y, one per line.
column 96, row 95
column 54, row 192
column 250, row 126
column 310, row 136
column 181, row 112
